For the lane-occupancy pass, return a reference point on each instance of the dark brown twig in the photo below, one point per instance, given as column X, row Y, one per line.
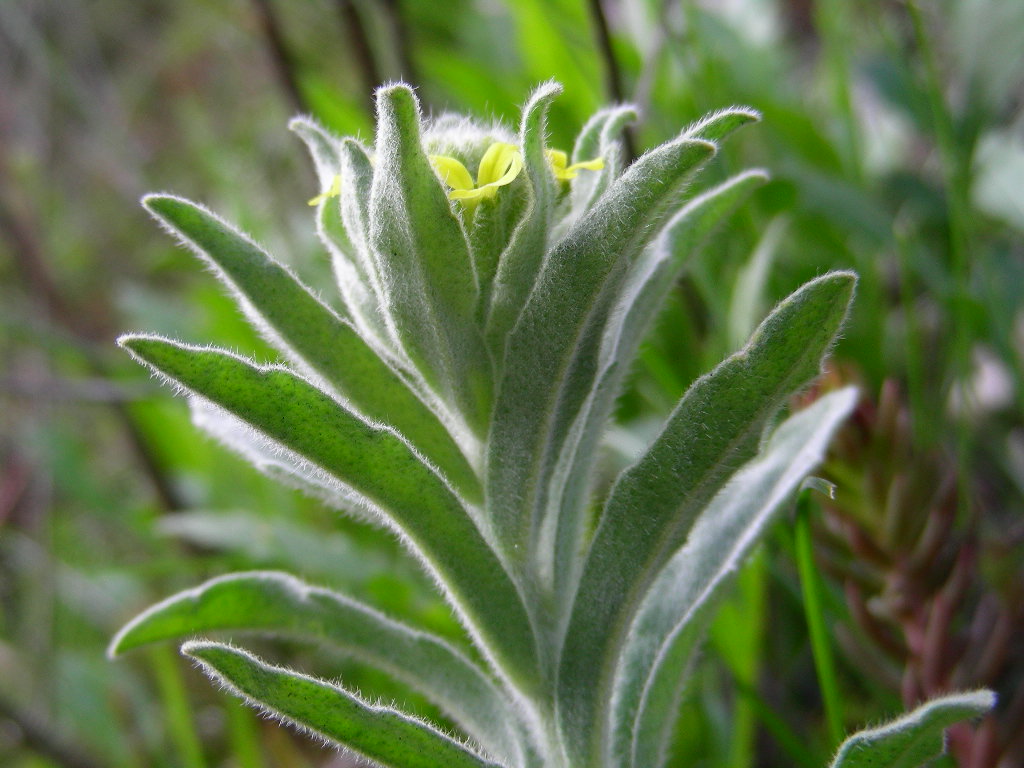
column 613, row 73
column 403, row 43
column 285, row 66
column 359, row 42
column 28, row 255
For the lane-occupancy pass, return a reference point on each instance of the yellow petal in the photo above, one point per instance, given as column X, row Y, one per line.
column 596, row 164
column 563, row 171
column 495, row 163
column 466, row 194
column 514, row 168
column 332, row 191
column 558, row 160
column 452, row 172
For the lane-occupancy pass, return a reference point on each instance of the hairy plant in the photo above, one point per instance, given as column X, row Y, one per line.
column 459, row 398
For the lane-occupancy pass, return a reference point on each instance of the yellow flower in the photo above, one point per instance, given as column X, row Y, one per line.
column 559, row 162
column 332, row 191
column 499, row 166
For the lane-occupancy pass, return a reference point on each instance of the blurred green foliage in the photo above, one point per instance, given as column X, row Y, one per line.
column 894, row 138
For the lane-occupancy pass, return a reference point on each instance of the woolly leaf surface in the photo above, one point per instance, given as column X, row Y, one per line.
column 675, row 613
column 387, row 736
column 312, row 335
column 426, row 270
column 914, row 739
column 713, row 430
column 381, row 468
column 278, row 604
column 539, row 390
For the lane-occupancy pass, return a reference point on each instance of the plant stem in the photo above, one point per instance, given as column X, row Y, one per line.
column 821, row 648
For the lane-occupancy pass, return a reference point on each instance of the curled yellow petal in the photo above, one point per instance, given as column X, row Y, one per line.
column 332, row 191
column 596, row 164
column 559, row 162
column 466, row 194
column 511, row 170
column 499, row 166
column 496, row 162
column 452, row 172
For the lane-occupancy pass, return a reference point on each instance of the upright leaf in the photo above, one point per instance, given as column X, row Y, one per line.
column 574, row 286
column 662, row 640
column 425, row 264
column 382, row 470
column 387, row 736
column 521, row 261
column 600, row 137
column 648, row 287
column 714, row 428
column 322, row 146
column 312, row 335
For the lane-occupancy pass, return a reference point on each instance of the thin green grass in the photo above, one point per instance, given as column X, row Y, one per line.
column 821, row 647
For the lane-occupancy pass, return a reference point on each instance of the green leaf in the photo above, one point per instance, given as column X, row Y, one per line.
column 322, row 146
column 715, row 427
column 540, row 391
column 267, row 457
column 914, row 739
column 342, row 224
column 520, row 263
column 600, row 137
column 357, row 283
column 748, row 295
column 664, row 636
column 279, row 604
column 382, row 734
column 425, row 264
column 381, row 469
column 718, row 125
column 313, row 336
column 645, row 294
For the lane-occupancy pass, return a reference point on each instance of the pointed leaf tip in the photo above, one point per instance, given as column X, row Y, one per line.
column 398, row 96
column 387, row 736
column 915, row 738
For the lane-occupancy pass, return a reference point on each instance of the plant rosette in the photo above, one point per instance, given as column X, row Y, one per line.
column 493, row 295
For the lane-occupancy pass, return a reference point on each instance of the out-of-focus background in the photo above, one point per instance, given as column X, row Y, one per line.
column 894, row 134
